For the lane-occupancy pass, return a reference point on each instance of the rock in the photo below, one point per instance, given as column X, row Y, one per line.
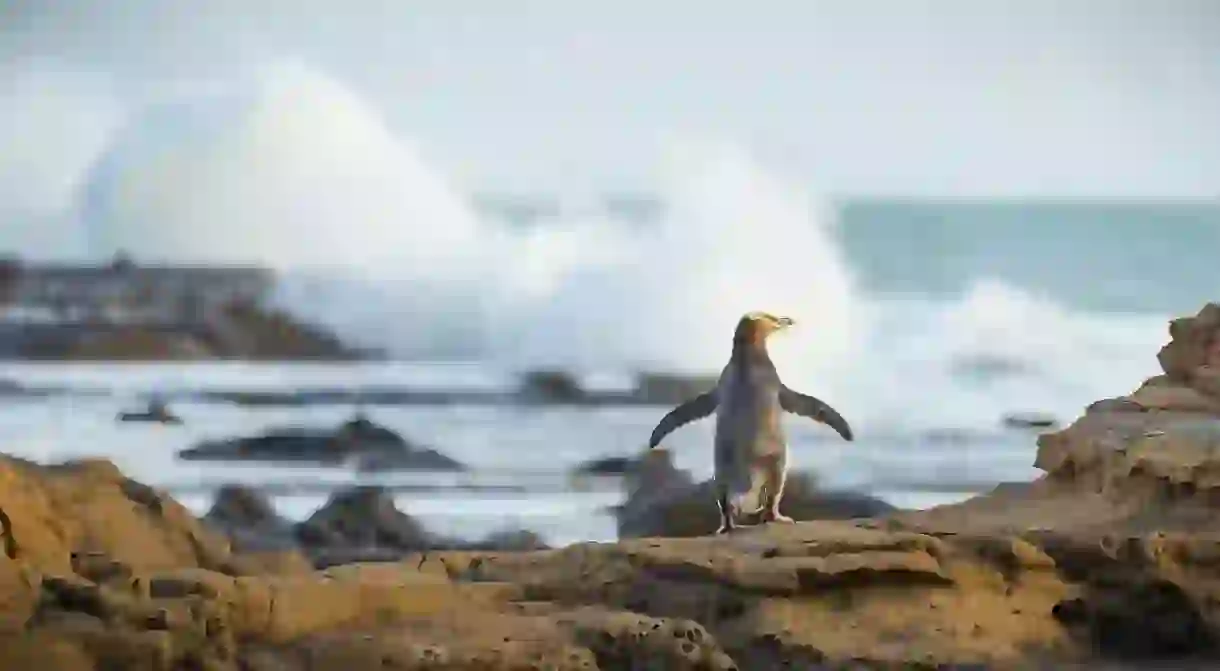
column 972, row 593
column 120, row 344
column 605, row 466
column 1160, row 393
column 1192, row 343
column 253, row 331
column 361, row 524
column 1028, row 420
column 357, row 524
column 238, row 506
column 1110, row 471
column 1191, row 365
column 280, row 445
column 156, row 412
column 416, row 459
column 663, row 501
column 550, row 386
column 12, row 388
column 358, row 442
column 239, row 330
column 1192, row 356
column 250, row 521
column 668, row 389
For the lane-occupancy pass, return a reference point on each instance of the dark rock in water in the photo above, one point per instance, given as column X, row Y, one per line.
column 1029, row 421
column 361, row 524
column 11, row 388
column 606, row 466
column 249, row 520
column 359, row 440
column 664, row 501
column 157, row 412
column 417, row 459
column 551, row 386
column 236, row 505
column 668, row 389
column 281, row 445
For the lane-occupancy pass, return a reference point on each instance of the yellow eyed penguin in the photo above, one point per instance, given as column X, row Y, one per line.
column 751, row 454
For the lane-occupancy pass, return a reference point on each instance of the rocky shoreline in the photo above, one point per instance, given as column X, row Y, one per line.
column 1109, row 560
column 237, row 333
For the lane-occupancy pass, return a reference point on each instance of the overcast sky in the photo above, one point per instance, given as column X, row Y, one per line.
column 968, row 98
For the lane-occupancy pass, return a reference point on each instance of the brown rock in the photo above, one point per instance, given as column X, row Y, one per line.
column 1194, row 345
column 971, row 591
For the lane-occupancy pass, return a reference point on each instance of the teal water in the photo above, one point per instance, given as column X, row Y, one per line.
column 1120, row 258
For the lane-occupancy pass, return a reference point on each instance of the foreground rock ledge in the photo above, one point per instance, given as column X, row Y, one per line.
column 99, row 571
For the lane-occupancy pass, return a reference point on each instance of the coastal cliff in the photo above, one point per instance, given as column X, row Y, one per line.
column 1108, row 560
column 243, row 332
column 124, row 311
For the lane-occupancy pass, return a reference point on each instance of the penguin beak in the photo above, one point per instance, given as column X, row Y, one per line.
column 785, row 322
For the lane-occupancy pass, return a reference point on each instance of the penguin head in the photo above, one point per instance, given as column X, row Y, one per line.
column 755, row 327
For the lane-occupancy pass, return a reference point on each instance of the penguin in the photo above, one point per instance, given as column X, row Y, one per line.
column 750, row 451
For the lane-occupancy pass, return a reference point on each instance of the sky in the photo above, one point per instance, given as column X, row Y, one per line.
column 945, row 99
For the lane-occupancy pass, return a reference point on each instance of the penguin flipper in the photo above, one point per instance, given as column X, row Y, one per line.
column 815, row 409
column 697, row 408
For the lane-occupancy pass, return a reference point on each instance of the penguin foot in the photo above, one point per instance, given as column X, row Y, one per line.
column 780, row 517
column 726, row 528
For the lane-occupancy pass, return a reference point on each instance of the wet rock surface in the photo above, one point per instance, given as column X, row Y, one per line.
column 358, row 442
column 1110, row 560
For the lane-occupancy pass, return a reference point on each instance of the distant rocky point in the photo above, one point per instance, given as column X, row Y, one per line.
column 129, row 312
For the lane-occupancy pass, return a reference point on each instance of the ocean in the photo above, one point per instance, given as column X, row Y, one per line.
column 922, row 322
